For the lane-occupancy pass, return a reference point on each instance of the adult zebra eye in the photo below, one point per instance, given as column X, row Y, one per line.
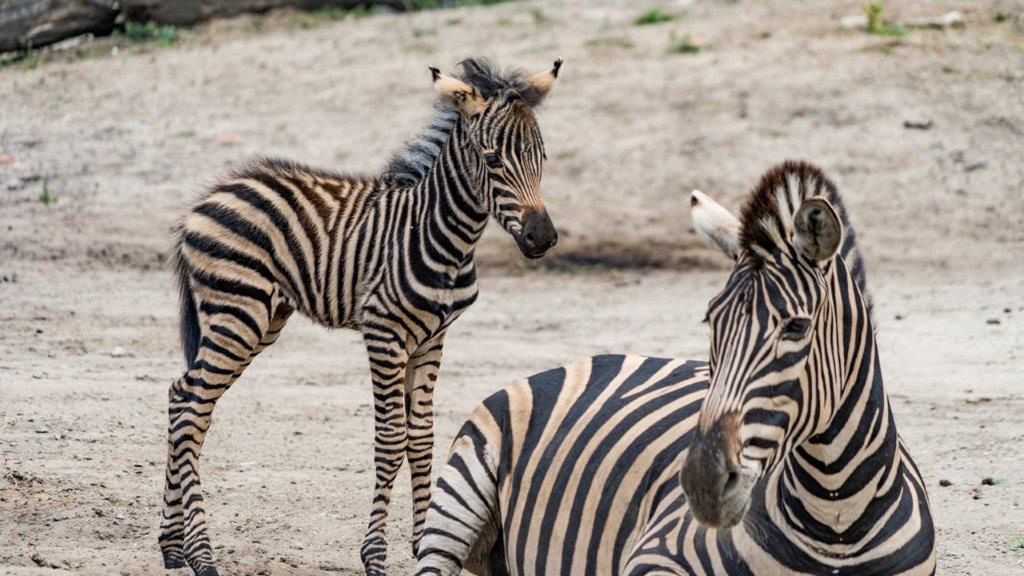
column 493, row 161
column 796, row 328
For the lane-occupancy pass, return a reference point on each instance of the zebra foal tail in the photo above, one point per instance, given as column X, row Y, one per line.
column 463, row 524
column 188, row 316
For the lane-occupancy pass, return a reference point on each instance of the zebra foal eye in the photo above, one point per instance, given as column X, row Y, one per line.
column 796, row 328
column 492, row 159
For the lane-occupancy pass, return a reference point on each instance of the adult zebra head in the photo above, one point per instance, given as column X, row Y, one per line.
column 777, row 365
column 497, row 109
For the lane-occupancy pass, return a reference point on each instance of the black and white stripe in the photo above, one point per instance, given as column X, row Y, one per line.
column 780, row 456
column 390, row 256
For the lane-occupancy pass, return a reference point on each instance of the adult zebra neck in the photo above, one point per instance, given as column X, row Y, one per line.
column 451, row 208
column 833, row 490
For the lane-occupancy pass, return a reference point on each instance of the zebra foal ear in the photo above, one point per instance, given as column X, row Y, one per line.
column 539, row 85
column 466, row 98
column 817, row 230
column 715, row 225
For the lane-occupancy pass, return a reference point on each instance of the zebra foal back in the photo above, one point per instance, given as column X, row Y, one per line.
column 282, row 233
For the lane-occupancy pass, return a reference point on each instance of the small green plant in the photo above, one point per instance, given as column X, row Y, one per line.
column 539, row 17
column 504, row 22
column 423, row 32
column 30, row 61
column 654, row 16
column 683, row 45
column 46, row 198
column 1017, row 543
column 878, row 25
column 162, row 35
column 1001, row 17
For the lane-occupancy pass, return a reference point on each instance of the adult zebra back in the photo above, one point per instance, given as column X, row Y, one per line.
column 780, row 456
column 389, row 255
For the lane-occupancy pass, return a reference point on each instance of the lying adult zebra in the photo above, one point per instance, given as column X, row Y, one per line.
column 388, row 255
column 779, row 457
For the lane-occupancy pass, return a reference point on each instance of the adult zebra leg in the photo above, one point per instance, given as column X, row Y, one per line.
column 388, row 362
column 462, row 527
column 230, row 338
column 420, row 379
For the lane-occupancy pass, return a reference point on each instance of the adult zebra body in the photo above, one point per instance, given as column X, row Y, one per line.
column 780, row 456
column 389, row 255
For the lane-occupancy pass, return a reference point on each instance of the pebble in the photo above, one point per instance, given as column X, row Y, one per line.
column 945, row 483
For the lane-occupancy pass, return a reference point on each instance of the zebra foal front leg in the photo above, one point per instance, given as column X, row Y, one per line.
column 388, row 363
column 420, row 379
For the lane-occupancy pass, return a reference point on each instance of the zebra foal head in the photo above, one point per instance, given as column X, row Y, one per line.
column 497, row 111
column 776, row 341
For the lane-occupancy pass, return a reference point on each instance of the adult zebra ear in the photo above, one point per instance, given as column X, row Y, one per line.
column 715, row 225
column 539, row 85
column 466, row 98
column 817, row 230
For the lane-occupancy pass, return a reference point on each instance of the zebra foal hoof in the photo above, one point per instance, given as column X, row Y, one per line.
column 174, row 560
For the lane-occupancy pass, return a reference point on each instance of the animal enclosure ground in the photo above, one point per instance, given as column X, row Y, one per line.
column 106, row 152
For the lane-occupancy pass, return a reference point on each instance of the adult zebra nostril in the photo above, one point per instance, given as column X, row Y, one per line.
column 530, row 239
column 732, row 481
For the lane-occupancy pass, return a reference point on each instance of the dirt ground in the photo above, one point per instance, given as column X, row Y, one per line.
column 118, row 143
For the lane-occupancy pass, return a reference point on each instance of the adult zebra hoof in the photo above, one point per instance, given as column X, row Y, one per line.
column 207, row 571
column 174, row 560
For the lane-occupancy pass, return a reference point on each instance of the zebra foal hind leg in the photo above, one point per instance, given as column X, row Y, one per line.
column 229, row 339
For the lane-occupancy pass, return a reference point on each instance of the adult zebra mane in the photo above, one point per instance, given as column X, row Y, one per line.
column 768, row 213
column 412, row 162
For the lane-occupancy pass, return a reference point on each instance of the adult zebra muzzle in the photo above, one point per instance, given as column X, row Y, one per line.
column 716, row 486
column 538, row 234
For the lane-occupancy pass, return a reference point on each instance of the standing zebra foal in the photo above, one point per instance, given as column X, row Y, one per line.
column 389, row 255
column 780, row 456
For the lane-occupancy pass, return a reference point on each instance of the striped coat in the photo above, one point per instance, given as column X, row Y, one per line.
column 780, row 456
column 389, row 255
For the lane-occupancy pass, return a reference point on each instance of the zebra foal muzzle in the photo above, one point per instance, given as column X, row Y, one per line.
column 538, row 234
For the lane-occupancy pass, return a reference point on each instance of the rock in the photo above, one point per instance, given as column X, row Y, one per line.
column 918, row 124
column 993, row 321
column 853, row 22
column 945, row 483
column 951, row 19
column 119, row 352
column 28, row 24
column 32, row 23
column 188, row 12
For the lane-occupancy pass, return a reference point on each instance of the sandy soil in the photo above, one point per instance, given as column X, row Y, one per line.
column 123, row 141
